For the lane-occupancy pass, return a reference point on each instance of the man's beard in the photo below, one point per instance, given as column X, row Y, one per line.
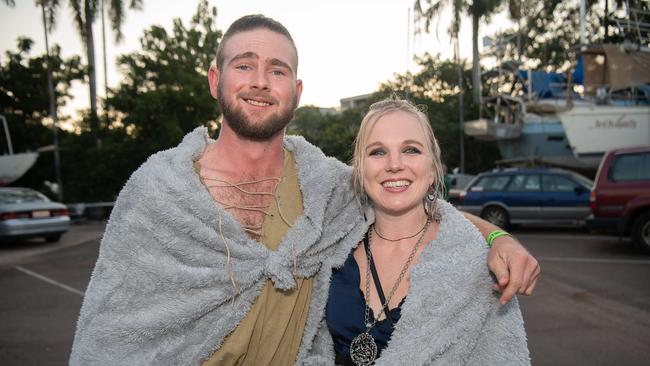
column 241, row 124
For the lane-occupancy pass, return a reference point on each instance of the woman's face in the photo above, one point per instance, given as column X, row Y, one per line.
column 397, row 164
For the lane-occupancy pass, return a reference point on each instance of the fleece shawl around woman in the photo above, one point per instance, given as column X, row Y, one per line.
column 450, row 316
column 161, row 292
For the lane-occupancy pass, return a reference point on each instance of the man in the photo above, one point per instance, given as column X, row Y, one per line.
column 220, row 252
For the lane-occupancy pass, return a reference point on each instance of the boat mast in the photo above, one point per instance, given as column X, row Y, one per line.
column 583, row 11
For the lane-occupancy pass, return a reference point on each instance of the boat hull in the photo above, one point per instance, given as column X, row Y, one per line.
column 15, row 166
column 542, row 144
column 593, row 130
column 486, row 130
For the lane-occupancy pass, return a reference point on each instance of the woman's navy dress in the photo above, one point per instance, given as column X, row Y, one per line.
column 345, row 313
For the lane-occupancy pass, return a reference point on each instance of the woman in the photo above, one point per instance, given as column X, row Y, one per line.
column 416, row 290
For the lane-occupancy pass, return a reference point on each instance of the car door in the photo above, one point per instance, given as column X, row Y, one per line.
column 564, row 198
column 524, row 197
column 628, row 178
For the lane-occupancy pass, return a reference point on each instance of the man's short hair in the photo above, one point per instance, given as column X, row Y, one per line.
column 251, row 22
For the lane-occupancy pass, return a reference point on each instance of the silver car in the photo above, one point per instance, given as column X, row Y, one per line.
column 25, row 212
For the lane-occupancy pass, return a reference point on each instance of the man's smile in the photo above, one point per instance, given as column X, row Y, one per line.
column 257, row 103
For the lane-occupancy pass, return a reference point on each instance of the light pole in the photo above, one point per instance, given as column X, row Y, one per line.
column 461, row 107
column 50, row 87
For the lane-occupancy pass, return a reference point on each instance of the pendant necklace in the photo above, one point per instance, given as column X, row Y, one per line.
column 363, row 349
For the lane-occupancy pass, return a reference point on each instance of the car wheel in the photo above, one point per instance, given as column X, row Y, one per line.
column 641, row 232
column 53, row 238
column 496, row 216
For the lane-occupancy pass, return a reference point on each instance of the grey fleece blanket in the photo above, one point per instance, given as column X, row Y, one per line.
column 160, row 292
column 451, row 316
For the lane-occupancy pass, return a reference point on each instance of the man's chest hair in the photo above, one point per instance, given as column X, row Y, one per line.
column 248, row 201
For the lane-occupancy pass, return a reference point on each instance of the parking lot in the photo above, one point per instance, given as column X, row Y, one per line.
column 591, row 306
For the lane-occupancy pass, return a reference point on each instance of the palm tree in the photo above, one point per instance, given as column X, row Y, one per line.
column 477, row 9
column 85, row 12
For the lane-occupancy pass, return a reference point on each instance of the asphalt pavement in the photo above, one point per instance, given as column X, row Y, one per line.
column 591, row 306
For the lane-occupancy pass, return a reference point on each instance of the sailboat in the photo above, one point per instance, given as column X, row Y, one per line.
column 617, row 82
column 571, row 120
column 524, row 121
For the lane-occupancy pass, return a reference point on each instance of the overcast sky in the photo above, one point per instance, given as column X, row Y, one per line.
column 346, row 47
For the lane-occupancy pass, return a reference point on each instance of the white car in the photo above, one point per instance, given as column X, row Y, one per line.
column 25, row 212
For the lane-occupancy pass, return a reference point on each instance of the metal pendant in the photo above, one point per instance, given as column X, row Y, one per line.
column 363, row 349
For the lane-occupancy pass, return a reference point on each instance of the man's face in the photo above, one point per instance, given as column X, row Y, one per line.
column 257, row 87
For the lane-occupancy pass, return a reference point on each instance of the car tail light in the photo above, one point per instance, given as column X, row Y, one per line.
column 14, row 215
column 461, row 196
column 592, row 201
column 61, row 212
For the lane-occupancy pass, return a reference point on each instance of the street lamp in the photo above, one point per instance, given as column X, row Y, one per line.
column 50, row 87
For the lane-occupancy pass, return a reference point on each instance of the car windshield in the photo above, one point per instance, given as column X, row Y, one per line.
column 20, row 196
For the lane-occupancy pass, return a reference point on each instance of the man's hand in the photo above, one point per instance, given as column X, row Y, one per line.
column 515, row 268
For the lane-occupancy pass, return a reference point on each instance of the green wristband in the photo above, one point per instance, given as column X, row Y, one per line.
column 495, row 234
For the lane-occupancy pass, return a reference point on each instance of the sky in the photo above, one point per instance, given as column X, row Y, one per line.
column 346, row 47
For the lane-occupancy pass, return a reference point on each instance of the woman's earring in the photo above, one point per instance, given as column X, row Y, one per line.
column 430, row 204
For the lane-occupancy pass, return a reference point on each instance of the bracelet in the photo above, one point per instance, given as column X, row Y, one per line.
column 495, row 234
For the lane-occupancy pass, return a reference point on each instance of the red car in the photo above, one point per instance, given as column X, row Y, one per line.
column 620, row 198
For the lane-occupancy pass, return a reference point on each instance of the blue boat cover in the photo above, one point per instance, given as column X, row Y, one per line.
column 545, row 84
column 552, row 84
column 579, row 72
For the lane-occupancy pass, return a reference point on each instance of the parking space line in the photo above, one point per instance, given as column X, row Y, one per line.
column 593, row 260
column 569, row 237
column 50, row 281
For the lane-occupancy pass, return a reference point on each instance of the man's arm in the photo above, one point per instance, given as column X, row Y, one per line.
column 515, row 268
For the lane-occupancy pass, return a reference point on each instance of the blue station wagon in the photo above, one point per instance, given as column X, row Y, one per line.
column 528, row 195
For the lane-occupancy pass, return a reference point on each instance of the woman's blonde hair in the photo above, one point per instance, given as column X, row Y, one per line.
column 379, row 110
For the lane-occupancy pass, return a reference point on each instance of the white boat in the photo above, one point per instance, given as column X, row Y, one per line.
column 548, row 123
column 618, row 113
column 525, row 123
column 593, row 130
column 13, row 166
column 550, row 118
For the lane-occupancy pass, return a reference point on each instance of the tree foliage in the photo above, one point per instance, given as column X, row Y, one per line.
column 24, row 101
column 333, row 132
column 164, row 92
column 163, row 95
column 24, row 98
column 84, row 13
column 435, row 89
column 477, row 9
column 549, row 30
